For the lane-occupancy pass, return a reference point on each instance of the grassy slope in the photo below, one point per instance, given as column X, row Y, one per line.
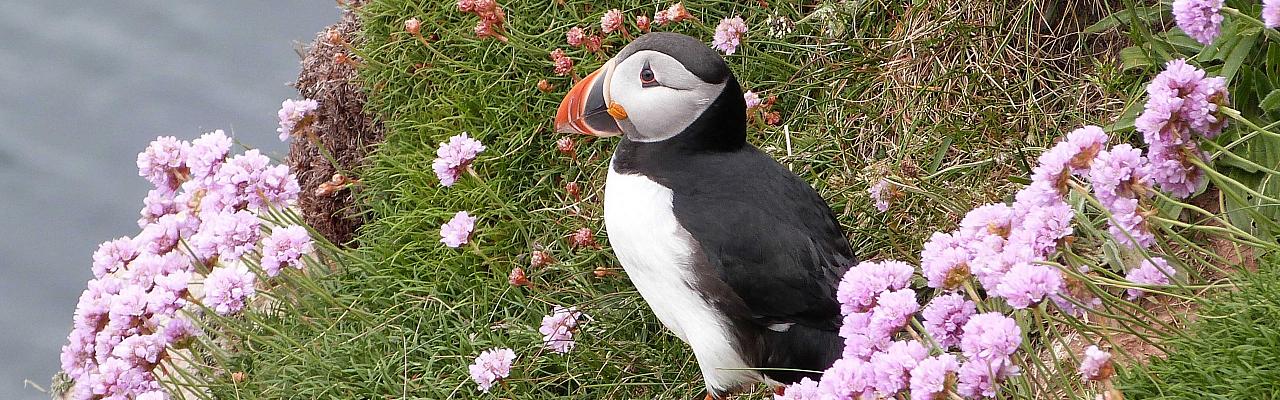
column 905, row 92
column 1230, row 354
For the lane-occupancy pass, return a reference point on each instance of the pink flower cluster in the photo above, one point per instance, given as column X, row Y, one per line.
column 563, row 64
column 675, row 13
column 492, row 17
column 292, row 112
column 877, row 306
column 1180, row 101
column 457, row 231
column 454, row 156
column 729, row 34
column 491, row 366
column 1199, row 19
column 138, row 306
column 557, row 329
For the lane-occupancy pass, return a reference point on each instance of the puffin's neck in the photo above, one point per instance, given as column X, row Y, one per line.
column 722, row 127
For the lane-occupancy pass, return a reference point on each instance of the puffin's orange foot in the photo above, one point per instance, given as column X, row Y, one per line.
column 709, row 397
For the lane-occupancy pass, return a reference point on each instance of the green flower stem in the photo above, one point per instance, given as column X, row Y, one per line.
column 1235, row 114
column 1223, row 178
column 973, row 295
column 1271, row 33
column 1237, row 157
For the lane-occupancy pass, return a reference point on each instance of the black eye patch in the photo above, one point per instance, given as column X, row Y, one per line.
column 647, row 79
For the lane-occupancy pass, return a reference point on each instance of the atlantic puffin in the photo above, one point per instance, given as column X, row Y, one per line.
column 735, row 254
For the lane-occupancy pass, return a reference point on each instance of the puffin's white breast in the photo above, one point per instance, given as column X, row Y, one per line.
column 657, row 254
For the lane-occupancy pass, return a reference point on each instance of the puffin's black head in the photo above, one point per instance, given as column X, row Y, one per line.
column 659, row 86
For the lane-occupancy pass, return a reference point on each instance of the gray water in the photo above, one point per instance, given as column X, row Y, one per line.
column 84, row 86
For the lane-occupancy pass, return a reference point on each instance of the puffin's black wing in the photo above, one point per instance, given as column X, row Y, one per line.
column 766, row 234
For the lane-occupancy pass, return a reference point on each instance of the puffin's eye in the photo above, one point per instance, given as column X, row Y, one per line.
column 646, row 76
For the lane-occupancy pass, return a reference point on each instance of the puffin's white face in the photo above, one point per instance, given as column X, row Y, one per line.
column 660, row 97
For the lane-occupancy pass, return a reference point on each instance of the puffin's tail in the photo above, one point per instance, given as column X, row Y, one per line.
column 801, row 348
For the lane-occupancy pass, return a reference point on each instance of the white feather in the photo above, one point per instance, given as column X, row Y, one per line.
column 656, row 252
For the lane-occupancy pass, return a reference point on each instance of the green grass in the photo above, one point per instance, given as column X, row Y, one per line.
column 1230, row 353
column 956, row 99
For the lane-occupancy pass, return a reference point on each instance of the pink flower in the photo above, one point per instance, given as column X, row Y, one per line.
column 1120, row 173
column 1271, row 13
column 1200, row 19
column 892, row 365
column 113, row 256
column 944, row 317
column 413, row 26
column 227, row 288
column 880, row 192
column 466, row 5
column 1096, row 364
column 729, row 34
column 207, row 153
column 1171, row 168
column 563, row 64
column 228, row 235
column 284, row 248
column 294, row 111
column 847, row 378
column 77, row 355
column 892, row 312
column 159, row 202
column 163, row 163
column 642, row 22
column 611, row 21
column 944, row 261
column 991, row 219
column 990, row 336
column 982, row 377
column 862, row 283
column 455, row 156
column 1181, row 99
column 752, row 99
column 1026, row 284
column 574, row 36
column 930, row 375
column 491, row 366
column 661, row 18
column 457, row 231
column 1155, row 271
column 557, row 329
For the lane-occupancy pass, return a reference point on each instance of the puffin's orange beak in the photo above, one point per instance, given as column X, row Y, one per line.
column 587, row 109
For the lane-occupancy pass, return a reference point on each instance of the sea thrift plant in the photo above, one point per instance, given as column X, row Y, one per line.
column 295, row 115
column 1200, row 19
column 1155, row 271
column 574, row 37
column 285, row 248
column 491, row 366
column 138, row 307
column 492, row 17
column 881, row 192
column 729, row 35
column 611, row 21
column 457, row 231
column 1096, row 364
column 558, row 328
column 563, row 64
column 455, row 156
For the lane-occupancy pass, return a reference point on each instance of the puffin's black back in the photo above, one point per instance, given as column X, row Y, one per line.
column 772, row 251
